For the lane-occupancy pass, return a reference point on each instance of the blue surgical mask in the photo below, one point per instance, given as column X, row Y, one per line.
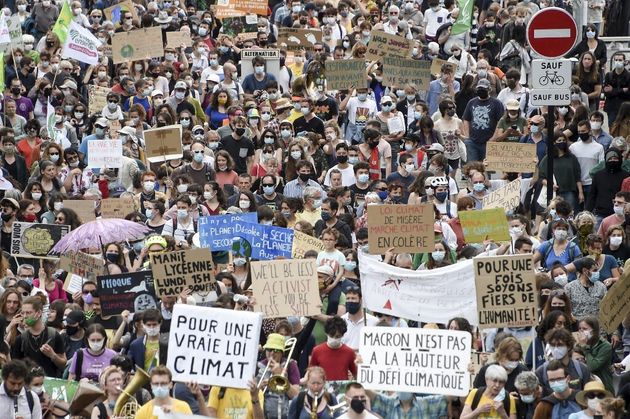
column 594, row 277
column 160, row 392
column 349, row 265
column 268, row 190
column 438, row 255
column 148, row 213
column 479, row 187
column 239, row 261
column 363, row 177
column 441, row 196
column 326, row 216
column 382, row 195
column 558, row 386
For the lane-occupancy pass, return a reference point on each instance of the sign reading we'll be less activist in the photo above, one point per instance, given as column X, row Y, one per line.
column 285, row 288
column 429, row 361
column 213, row 346
column 506, row 291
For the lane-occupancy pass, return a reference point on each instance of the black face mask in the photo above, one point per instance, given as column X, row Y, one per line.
column 239, row 131
column 543, row 300
column 450, row 112
column 72, row 330
column 304, row 177
column 482, row 93
column 357, row 405
column 6, row 217
column 562, row 146
column 613, row 166
column 342, row 159
column 16, row 90
column 584, row 136
column 282, row 61
column 373, row 144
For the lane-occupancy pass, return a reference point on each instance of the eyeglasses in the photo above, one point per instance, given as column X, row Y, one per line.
column 595, row 395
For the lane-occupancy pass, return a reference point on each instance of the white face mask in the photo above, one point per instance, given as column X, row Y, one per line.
column 596, row 125
column 208, row 195
column 96, row 346
column 148, row 186
column 244, row 204
column 616, row 241
column 333, row 342
column 152, row 331
column 58, row 206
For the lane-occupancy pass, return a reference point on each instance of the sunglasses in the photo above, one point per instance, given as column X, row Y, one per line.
column 112, row 101
column 25, row 294
column 595, row 395
column 268, row 184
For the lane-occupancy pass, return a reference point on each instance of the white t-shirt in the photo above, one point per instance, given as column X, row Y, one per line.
column 360, row 112
column 433, row 20
column 588, row 155
column 347, row 176
column 351, row 337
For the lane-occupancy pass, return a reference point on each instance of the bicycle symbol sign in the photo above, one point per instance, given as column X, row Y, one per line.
column 551, row 74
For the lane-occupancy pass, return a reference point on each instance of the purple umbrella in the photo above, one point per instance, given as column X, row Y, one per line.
column 98, row 232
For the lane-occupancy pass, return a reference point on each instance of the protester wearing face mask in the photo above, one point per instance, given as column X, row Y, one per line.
column 616, row 86
column 183, row 225
column 556, row 377
column 480, row 118
column 360, row 108
column 90, row 361
column 616, row 244
column 492, row 399
column 591, row 398
column 598, row 352
column 336, row 358
column 568, row 174
column 161, row 384
column 149, row 351
column 557, row 249
column 586, row 293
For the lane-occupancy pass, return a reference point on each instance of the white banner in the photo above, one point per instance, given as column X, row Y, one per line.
column 213, row 346
column 5, row 38
column 14, row 26
column 105, row 154
column 435, row 295
column 81, row 45
column 429, row 361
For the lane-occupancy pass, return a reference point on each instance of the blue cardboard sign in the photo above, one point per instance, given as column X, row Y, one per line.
column 216, row 231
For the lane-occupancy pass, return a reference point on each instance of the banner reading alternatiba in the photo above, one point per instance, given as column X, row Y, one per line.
column 435, row 295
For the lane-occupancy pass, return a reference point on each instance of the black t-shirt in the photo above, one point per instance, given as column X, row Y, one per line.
column 240, row 150
column 326, row 108
column 29, row 348
column 274, row 203
column 359, row 194
column 315, row 125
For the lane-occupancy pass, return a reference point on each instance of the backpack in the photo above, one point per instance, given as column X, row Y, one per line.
column 511, row 61
column 51, row 333
column 479, row 393
column 210, row 175
column 549, row 248
column 78, row 365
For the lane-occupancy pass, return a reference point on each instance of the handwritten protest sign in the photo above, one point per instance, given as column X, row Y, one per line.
column 511, row 157
column 267, row 242
column 115, row 12
column 401, row 71
column 297, row 38
column 429, row 295
column 506, row 291
column 176, row 39
column 383, row 45
column 117, row 207
column 164, row 143
column 239, row 25
column 15, row 33
column 173, row 272
column 343, row 74
column 406, row 228
column 436, row 66
column 302, row 243
column 614, row 306
column 226, row 8
column 105, row 154
column 231, row 8
column 285, row 288
column 83, row 207
column 131, row 291
column 97, row 98
column 82, row 264
column 213, row 346
column 486, row 224
column 35, row 240
column 139, row 44
column 507, row 197
column 429, row 361
column 217, row 232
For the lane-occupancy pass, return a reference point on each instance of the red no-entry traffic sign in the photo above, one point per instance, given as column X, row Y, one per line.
column 552, row 32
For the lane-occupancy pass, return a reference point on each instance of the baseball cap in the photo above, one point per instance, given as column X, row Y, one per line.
column 483, row 84
column 181, row 84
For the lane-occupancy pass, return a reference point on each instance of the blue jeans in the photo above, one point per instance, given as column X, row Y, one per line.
column 571, row 198
column 475, row 151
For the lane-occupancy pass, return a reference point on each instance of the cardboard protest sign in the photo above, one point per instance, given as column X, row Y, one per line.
column 133, row 291
column 226, row 8
column 238, row 25
column 511, row 157
column 15, row 33
column 285, row 288
column 271, row 56
column 35, row 240
column 507, row 197
column 402, row 71
column 297, row 38
column 406, row 228
column 436, row 66
column 83, row 207
column 430, row 295
column 213, row 346
column 117, row 207
column 177, row 38
column 139, row 44
column 164, row 143
column 190, row 269
column 105, row 154
column 343, row 74
column 614, row 306
column 216, row 232
column 302, row 243
column 430, row 361
column 82, row 264
column 383, row 45
column 115, row 12
column 485, row 224
column 258, row 7
column 506, row 291
column 97, row 98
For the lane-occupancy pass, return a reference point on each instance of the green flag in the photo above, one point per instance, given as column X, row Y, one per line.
column 464, row 20
column 63, row 23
